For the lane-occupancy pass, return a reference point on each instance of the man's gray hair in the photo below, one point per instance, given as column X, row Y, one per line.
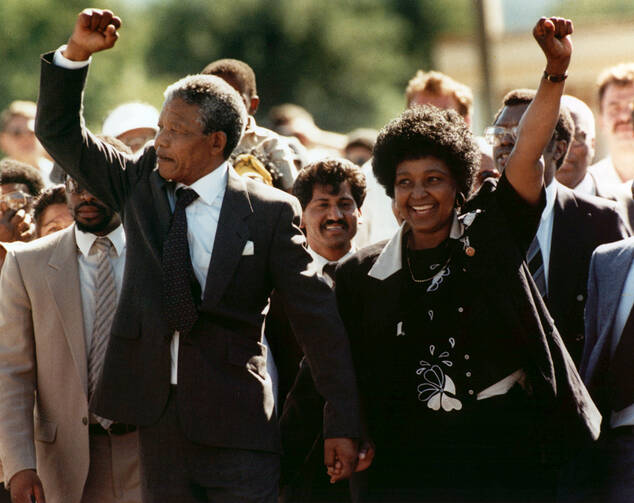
column 221, row 108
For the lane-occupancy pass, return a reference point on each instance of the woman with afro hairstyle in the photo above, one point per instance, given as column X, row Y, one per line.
column 467, row 389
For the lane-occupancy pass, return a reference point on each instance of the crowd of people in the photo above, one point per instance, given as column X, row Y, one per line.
column 197, row 308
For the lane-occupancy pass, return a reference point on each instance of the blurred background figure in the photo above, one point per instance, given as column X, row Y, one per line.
column 574, row 172
column 616, row 93
column 18, row 141
column 360, row 145
column 20, row 183
column 249, row 166
column 50, row 211
column 440, row 90
column 265, row 145
column 487, row 165
column 293, row 120
column 132, row 123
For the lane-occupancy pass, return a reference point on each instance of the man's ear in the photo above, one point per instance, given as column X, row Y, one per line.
column 217, row 143
column 560, row 149
column 255, row 103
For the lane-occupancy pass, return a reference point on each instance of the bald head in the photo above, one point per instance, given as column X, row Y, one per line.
column 582, row 148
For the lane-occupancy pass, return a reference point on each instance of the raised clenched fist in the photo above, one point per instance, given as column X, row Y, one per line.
column 553, row 36
column 95, row 30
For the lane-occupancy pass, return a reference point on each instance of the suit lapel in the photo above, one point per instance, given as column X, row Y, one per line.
column 62, row 277
column 231, row 236
column 568, row 235
column 611, row 294
column 159, row 187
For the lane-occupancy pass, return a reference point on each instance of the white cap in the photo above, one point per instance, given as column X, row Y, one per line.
column 130, row 116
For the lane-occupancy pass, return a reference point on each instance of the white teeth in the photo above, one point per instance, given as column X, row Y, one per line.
column 424, row 207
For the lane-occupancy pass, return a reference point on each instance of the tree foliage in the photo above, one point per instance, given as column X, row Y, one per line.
column 346, row 61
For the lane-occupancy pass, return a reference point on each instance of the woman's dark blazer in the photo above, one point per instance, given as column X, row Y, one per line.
column 369, row 285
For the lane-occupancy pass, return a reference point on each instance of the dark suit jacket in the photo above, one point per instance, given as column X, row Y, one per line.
column 500, row 284
column 223, row 398
column 581, row 223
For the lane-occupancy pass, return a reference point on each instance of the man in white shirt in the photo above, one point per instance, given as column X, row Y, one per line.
column 607, row 370
column 573, row 172
column 58, row 295
column 330, row 192
column 186, row 361
column 571, row 227
column 616, row 94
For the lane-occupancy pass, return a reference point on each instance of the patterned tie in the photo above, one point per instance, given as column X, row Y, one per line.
column 621, row 369
column 105, row 306
column 536, row 266
column 180, row 287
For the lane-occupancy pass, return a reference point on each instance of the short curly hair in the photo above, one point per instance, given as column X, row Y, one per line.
column 12, row 171
column 426, row 131
column 48, row 197
column 334, row 172
column 235, row 70
column 220, row 106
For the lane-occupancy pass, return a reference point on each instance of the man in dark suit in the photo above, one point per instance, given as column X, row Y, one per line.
column 205, row 248
column 330, row 192
column 571, row 227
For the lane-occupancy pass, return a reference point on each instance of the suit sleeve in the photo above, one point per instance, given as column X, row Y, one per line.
column 17, row 372
column 312, row 312
column 59, row 125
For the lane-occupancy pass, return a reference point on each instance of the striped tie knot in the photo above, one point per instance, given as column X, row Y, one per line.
column 103, row 245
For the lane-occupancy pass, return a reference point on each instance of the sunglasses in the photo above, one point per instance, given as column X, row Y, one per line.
column 494, row 134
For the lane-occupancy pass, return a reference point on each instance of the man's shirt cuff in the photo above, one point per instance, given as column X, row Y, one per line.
column 60, row 60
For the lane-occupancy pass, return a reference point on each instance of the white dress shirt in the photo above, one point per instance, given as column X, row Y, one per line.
column 605, row 172
column 319, row 262
column 626, row 415
column 202, row 223
column 545, row 229
column 88, row 267
column 586, row 186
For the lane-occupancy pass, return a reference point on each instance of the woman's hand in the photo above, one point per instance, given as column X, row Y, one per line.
column 553, row 36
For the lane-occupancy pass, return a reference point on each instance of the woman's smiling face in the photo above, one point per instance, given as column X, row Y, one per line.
column 425, row 194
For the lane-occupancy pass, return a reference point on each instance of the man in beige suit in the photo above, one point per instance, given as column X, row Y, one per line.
column 52, row 314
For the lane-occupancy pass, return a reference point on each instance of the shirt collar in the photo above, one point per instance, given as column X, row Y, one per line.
column 390, row 258
column 551, row 195
column 85, row 240
column 586, row 185
column 209, row 186
column 321, row 261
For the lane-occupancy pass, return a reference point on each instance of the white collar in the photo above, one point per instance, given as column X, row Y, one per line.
column 551, row 195
column 85, row 240
column 586, row 185
column 320, row 261
column 390, row 258
column 209, row 186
